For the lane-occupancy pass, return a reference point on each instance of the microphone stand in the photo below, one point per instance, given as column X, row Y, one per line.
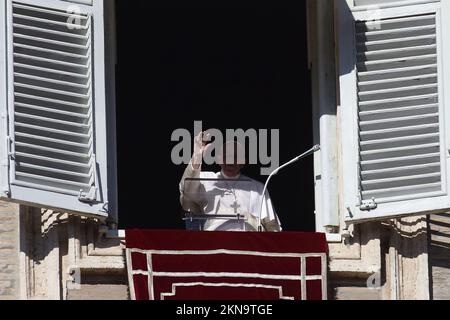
column 307, row 153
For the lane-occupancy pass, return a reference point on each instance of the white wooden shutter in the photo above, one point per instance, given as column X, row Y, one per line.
column 398, row 156
column 56, row 105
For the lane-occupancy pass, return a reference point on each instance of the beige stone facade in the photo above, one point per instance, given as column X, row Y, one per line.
column 383, row 260
column 43, row 254
column 9, row 251
column 52, row 256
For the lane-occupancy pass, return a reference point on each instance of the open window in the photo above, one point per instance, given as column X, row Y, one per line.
column 196, row 65
column 53, row 147
column 394, row 118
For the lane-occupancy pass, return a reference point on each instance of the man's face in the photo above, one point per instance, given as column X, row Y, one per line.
column 232, row 160
column 231, row 170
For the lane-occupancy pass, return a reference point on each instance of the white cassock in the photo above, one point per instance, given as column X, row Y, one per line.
column 221, row 196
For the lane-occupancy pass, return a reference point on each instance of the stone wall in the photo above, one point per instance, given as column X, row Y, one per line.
column 39, row 248
column 382, row 261
column 9, row 252
column 353, row 262
column 439, row 257
column 52, row 244
column 405, row 252
column 70, row 257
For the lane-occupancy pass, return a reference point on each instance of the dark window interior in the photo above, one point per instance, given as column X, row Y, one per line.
column 231, row 67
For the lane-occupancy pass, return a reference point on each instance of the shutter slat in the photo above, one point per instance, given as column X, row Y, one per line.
column 407, row 139
column 400, row 80
column 394, row 22
column 48, row 90
column 398, row 120
column 53, row 150
column 52, row 61
column 410, row 99
column 54, row 101
column 397, row 110
column 390, row 74
column 399, row 150
column 56, row 141
column 394, row 162
column 394, row 93
column 51, row 161
column 76, row 86
column 397, row 31
column 80, row 126
column 54, row 71
column 53, row 118
column 394, row 34
column 51, row 32
column 396, row 155
column 56, row 111
column 52, row 130
column 52, row 51
column 401, row 171
column 52, row 12
column 392, row 181
column 400, row 131
column 392, row 167
column 381, row 54
column 69, row 94
column 49, row 41
column 397, row 63
column 55, row 171
column 397, row 90
column 46, row 21
column 390, row 193
column 44, row 179
column 397, row 42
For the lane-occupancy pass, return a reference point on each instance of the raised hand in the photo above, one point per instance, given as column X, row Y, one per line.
column 201, row 145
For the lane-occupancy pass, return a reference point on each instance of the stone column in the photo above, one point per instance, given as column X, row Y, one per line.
column 407, row 260
column 9, row 251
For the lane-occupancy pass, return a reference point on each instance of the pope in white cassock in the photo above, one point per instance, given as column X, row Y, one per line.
column 228, row 192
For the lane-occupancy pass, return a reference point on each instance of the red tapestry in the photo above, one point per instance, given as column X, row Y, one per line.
column 186, row 265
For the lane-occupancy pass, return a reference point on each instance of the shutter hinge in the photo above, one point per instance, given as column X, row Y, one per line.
column 91, row 196
column 368, row 205
column 9, row 144
column 105, row 208
column 4, row 167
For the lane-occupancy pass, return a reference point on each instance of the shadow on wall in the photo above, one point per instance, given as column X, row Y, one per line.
column 439, row 244
column 439, row 255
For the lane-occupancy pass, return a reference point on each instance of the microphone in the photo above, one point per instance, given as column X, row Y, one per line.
column 304, row 155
